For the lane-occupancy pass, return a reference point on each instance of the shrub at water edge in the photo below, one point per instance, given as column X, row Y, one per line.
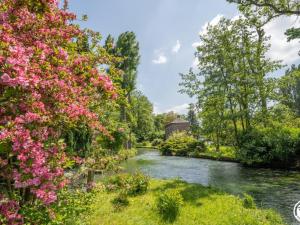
column 181, row 144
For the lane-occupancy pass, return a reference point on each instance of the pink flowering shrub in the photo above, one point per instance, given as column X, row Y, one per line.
column 46, row 86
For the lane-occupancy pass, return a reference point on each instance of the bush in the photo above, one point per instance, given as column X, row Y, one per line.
column 157, row 142
column 120, row 201
column 119, row 136
column 168, row 205
column 133, row 185
column 272, row 145
column 72, row 207
column 248, row 202
column 181, row 144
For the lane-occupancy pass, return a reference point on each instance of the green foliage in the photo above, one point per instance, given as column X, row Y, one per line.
column 126, row 48
column 267, row 145
column 181, row 144
column 78, row 140
column 271, row 8
column 132, row 185
column 168, row 205
column 289, row 89
column 142, row 111
column 72, row 208
column 105, row 160
column 193, row 120
column 293, row 33
column 119, row 136
column 248, row 202
column 224, row 153
column 156, row 142
column 144, row 144
column 232, row 83
column 120, row 201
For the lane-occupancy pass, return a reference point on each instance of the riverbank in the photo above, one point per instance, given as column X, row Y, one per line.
column 225, row 154
column 201, row 205
column 270, row 188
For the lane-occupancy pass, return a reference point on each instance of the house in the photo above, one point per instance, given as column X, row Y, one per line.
column 176, row 125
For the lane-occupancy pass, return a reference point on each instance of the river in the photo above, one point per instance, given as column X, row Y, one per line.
column 275, row 189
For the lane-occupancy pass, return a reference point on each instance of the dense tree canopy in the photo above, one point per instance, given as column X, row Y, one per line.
column 142, row 110
column 232, row 84
column 281, row 7
column 272, row 9
column 125, row 47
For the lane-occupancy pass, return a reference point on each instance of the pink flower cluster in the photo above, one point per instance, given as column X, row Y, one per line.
column 47, row 86
column 9, row 209
column 104, row 82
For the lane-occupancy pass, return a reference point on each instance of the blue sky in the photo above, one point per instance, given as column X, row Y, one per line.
column 167, row 30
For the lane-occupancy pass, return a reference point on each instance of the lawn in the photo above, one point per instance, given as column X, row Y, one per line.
column 201, row 205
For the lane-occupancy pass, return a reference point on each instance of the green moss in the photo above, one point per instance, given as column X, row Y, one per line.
column 201, row 205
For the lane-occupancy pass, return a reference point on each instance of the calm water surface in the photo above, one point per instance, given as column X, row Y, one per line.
column 275, row 189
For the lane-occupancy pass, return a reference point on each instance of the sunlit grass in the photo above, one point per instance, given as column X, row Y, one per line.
column 202, row 205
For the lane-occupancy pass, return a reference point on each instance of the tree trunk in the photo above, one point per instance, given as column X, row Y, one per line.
column 90, row 179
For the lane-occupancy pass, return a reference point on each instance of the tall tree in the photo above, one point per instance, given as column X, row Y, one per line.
column 289, row 89
column 127, row 48
column 232, row 82
column 142, row 110
column 193, row 120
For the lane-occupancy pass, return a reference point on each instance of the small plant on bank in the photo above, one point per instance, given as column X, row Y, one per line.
column 248, row 202
column 136, row 184
column 157, row 141
column 168, row 205
column 121, row 201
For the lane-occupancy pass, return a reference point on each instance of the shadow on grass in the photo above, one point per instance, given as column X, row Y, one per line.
column 191, row 193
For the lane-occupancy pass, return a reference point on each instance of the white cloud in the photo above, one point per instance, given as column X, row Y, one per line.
column 160, row 58
column 213, row 22
column 203, row 30
column 196, row 44
column 280, row 48
column 156, row 109
column 176, row 47
column 180, row 109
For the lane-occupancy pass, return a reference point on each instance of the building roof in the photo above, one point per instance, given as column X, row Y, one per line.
column 177, row 121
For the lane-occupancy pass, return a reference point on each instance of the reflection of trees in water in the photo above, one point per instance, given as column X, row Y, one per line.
column 226, row 176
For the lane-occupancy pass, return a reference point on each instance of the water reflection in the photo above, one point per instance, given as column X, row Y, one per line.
column 275, row 189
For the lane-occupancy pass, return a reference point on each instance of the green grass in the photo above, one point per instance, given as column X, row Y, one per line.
column 201, row 206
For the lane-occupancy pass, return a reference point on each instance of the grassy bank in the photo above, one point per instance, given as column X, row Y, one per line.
column 201, row 205
column 225, row 153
